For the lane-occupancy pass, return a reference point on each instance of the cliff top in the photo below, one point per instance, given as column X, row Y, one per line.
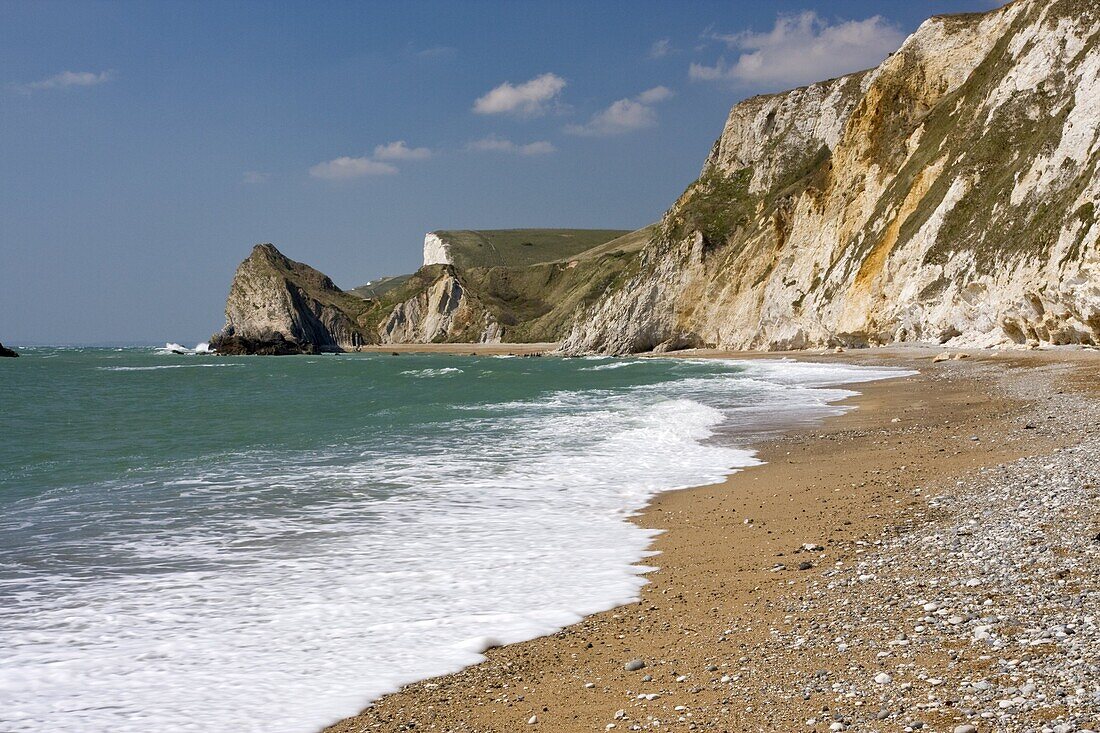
column 517, row 247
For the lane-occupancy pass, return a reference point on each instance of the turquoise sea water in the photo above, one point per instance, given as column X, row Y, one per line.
column 199, row 543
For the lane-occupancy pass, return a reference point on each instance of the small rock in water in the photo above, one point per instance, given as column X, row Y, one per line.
column 634, row 665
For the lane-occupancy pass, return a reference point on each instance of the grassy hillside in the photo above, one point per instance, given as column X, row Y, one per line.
column 521, row 247
column 380, row 286
column 538, row 302
column 628, row 243
column 550, row 273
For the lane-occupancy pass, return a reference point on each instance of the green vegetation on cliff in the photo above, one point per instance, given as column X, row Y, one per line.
column 519, row 247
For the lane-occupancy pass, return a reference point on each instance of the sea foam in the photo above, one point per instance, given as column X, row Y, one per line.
column 275, row 590
column 174, row 348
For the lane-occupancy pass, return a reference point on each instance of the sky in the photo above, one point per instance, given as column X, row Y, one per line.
column 145, row 147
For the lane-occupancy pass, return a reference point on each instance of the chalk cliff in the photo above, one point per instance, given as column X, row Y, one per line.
column 948, row 195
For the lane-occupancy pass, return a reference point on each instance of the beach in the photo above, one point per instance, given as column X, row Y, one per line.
column 865, row 577
column 443, row 505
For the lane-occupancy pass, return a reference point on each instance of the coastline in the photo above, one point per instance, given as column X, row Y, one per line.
column 536, row 349
column 706, row 623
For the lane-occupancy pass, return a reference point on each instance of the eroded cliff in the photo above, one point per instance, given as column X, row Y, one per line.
column 948, row 195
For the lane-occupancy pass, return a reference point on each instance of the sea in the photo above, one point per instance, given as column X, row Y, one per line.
column 191, row 542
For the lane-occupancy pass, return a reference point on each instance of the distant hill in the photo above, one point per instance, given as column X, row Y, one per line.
column 466, row 248
column 380, row 286
column 279, row 306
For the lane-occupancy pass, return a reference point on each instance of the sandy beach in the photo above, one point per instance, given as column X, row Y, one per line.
column 866, row 577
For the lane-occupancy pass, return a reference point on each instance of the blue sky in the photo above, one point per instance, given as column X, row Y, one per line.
column 144, row 147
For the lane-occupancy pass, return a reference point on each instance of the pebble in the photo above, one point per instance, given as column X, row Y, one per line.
column 998, row 575
column 634, row 665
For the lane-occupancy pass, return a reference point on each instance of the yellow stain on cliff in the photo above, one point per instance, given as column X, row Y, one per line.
column 875, row 262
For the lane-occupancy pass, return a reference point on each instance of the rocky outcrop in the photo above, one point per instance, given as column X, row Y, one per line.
column 275, row 345
column 436, row 313
column 278, row 306
column 6, row 352
column 948, row 195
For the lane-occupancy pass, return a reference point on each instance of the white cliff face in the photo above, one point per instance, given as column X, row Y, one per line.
column 426, row 317
column 438, row 313
column 948, row 195
column 436, row 251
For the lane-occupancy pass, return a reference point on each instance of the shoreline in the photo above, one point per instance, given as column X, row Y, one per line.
column 718, row 552
column 538, row 349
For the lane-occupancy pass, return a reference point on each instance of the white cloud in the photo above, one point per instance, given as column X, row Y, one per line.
column 660, row 48
column 398, row 150
column 800, row 49
column 346, row 167
column 528, row 99
column 67, row 79
column 654, row 95
column 255, row 177
column 494, row 144
column 624, row 115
